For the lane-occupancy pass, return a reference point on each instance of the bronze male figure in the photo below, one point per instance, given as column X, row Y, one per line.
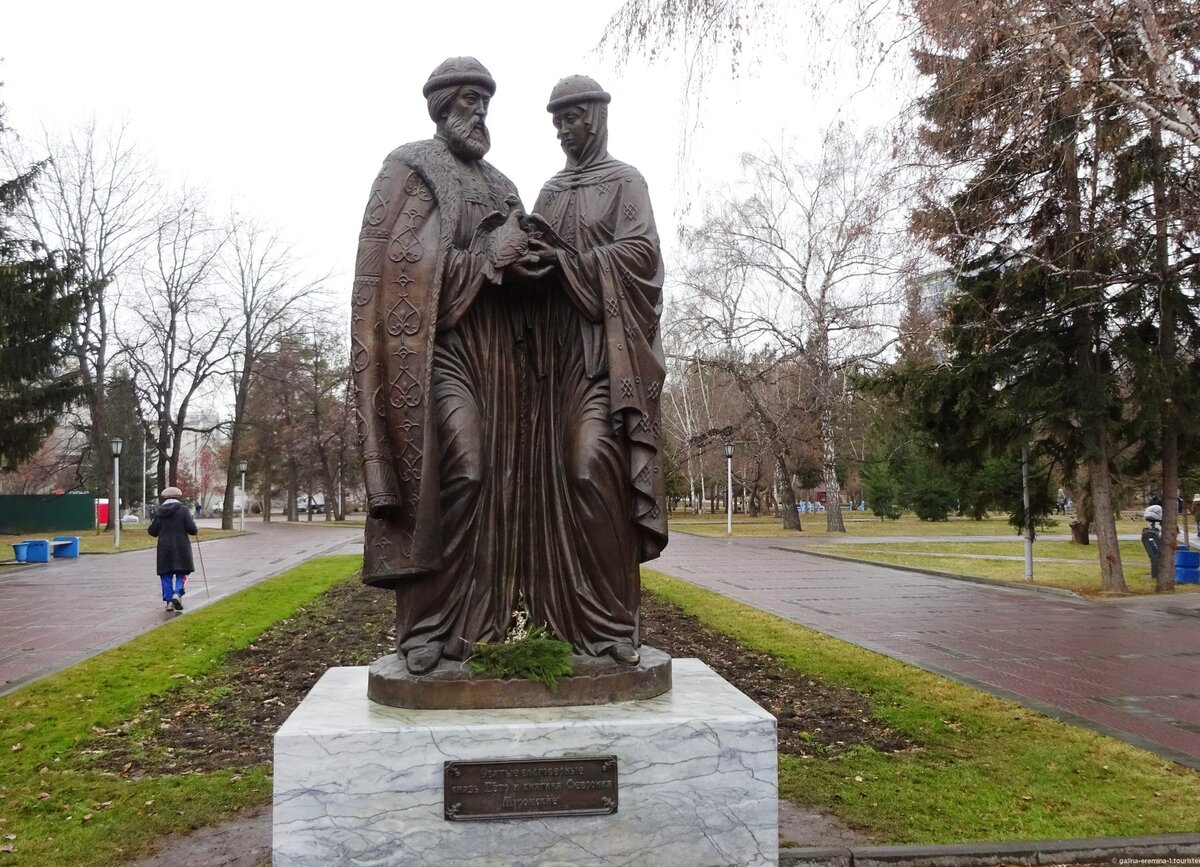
column 437, row 377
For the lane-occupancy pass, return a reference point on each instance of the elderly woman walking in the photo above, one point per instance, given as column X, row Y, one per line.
column 172, row 524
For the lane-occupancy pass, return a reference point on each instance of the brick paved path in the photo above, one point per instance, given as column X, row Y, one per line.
column 1129, row 668
column 56, row 614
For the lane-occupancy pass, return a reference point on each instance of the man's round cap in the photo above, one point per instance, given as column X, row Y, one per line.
column 457, row 71
column 168, row 493
column 576, row 89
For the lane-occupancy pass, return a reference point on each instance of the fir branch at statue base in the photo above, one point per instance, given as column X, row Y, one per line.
column 533, row 654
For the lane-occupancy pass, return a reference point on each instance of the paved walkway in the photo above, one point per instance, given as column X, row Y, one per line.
column 1129, row 668
column 56, row 614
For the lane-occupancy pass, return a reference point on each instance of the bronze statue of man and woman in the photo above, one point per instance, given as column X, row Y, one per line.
column 508, row 369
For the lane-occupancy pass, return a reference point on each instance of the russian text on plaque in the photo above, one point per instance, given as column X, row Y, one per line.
column 530, row 788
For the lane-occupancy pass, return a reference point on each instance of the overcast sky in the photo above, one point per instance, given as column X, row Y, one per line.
column 289, row 109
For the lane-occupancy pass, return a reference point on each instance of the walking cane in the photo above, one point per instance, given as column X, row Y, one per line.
column 203, row 573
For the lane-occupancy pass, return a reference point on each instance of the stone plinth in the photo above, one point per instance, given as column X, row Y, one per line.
column 596, row 680
column 360, row 783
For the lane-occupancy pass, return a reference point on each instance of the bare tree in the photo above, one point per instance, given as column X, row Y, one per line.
column 724, row 338
column 175, row 326
column 687, row 403
column 809, row 265
column 98, row 197
column 330, row 427
column 1140, row 54
column 262, row 273
column 277, row 433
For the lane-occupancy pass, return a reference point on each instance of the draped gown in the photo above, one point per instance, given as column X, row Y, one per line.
column 593, row 459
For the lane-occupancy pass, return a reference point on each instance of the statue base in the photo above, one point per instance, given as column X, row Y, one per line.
column 693, row 780
column 597, row 680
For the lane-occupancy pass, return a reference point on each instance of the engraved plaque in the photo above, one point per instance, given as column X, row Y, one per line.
column 530, row 788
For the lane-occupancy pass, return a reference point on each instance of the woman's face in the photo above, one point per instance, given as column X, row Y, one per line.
column 572, row 129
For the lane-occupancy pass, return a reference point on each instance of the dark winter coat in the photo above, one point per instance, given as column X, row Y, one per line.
column 172, row 525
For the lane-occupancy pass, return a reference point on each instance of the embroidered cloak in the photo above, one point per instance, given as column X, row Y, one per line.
column 437, row 385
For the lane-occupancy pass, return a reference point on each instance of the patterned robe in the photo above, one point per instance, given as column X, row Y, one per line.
column 437, row 379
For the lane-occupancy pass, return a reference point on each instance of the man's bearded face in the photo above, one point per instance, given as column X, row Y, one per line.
column 465, row 126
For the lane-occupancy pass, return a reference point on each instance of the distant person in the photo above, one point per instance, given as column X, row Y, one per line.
column 172, row 525
column 1152, row 537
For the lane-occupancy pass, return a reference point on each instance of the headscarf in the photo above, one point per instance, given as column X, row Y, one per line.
column 595, row 149
column 586, row 94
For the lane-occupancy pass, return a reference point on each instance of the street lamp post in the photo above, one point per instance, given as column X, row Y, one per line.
column 242, row 519
column 728, row 489
column 117, row 444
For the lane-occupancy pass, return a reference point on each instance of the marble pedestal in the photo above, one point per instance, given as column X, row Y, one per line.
column 361, row 783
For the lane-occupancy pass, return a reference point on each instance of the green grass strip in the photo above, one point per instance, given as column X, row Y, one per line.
column 984, row 768
column 1004, row 561
column 53, row 811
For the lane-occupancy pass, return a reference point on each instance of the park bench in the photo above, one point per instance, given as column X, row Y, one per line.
column 39, row 550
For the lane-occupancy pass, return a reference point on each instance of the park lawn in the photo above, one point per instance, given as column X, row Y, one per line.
column 1042, row 549
column 863, row 524
column 53, row 811
column 1004, row 561
column 133, row 538
column 982, row 768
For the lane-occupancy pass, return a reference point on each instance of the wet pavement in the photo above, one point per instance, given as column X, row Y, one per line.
column 1126, row 667
column 56, row 614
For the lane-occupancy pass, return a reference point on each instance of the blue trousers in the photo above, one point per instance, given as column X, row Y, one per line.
column 172, row 584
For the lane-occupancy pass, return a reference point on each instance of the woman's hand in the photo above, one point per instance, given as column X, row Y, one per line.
column 541, row 253
column 539, row 260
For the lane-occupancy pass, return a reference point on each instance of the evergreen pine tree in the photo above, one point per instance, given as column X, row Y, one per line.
column 37, row 307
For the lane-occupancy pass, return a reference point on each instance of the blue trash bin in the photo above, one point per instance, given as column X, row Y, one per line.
column 21, row 552
column 1187, row 566
column 37, row 550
